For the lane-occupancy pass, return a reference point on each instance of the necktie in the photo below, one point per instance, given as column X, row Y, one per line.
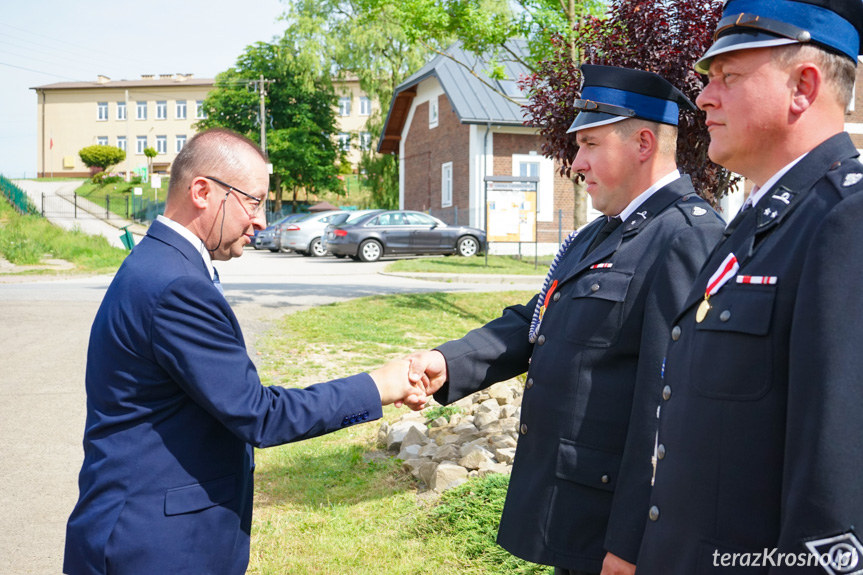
column 216, row 281
column 606, row 231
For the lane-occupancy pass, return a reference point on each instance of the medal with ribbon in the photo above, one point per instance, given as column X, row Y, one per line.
column 725, row 272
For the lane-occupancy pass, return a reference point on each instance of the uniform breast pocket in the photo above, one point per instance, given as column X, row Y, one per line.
column 736, row 336
column 595, row 311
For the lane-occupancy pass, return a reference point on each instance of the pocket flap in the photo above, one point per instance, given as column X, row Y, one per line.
column 609, row 285
column 741, row 309
column 586, row 465
column 199, row 496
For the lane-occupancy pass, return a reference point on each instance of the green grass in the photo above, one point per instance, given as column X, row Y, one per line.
column 119, row 192
column 472, row 265
column 26, row 240
column 334, row 504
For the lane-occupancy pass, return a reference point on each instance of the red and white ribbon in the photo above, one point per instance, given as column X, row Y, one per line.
column 721, row 276
column 758, row 280
column 601, row 266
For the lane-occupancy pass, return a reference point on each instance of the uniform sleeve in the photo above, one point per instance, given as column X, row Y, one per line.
column 196, row 342
column 821, row 496
column 670, row 286
column 494, row 352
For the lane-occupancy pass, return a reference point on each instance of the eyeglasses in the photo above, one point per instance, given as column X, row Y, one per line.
column 258, row 202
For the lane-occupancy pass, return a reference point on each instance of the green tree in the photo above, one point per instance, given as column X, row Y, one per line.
column 150, row 153
column 300, row 120
column 102, row 157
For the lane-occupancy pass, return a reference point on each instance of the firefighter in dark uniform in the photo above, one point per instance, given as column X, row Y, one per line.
column 760, row 444
column 592, row 341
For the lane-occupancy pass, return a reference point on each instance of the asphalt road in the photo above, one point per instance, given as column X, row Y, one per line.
column 44, row 329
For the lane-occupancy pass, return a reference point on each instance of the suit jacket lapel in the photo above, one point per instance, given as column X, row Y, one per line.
column 160, row 232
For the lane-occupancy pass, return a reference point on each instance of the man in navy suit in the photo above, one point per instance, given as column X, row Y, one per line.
column 761, row 435
column 593, row 340
column 174, row 404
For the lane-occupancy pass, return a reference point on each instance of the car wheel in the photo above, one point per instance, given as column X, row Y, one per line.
column 274, row 250
column 370, row 251
column 467, row 246
column 316, row 249
column 340, row 256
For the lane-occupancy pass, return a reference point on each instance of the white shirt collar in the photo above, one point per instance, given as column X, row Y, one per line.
column 758, row 193
column 196, row 242
column 634, row 204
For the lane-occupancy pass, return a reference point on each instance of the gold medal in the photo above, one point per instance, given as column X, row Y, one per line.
column 702, row 310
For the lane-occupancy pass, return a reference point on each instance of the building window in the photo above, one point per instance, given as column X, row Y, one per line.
column 365, row 140
column 140, row 144
column 141, row 110
column 181, row 109
column 102, row 140
column 102, row 111
column 181, row 141
column 365, row 106
column 121, row 110
column 344, row 106
column 344, row 141
column 121, row 142
column 162, row 144
column 162, row 110
column 528, row 169
column 433, row 113
column 200, row 113
column 446, row 185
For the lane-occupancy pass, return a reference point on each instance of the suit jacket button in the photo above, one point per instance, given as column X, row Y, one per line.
column 605, row 479
column 725, row 316
column 540, row 340
column 529, row 382
column 660, row 451
column 594, row 288
column 524, row 429
column 654, row 513
column 675, row 333
column 666, row 392
column 556, row 296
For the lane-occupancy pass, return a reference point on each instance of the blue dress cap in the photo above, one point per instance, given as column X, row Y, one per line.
column 610, row 94
column 836, row 25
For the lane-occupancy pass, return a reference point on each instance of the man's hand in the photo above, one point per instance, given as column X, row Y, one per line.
column 428, row 370
column 395, row 387
column 614, row 565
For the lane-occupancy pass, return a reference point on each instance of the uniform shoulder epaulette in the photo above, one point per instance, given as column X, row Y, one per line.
column 846, row 176
column 695, row 209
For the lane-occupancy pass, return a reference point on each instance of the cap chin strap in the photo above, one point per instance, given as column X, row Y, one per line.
column 591, row 106
column 775, row 27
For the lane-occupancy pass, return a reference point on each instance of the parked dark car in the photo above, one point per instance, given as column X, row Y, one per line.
column 271, row 237
column 344, row 218
column 400, row 232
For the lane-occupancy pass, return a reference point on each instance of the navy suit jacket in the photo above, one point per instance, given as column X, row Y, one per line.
column 174, row 406
column 581, row 477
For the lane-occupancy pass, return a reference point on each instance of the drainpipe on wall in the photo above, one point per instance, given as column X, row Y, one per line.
column 42, row 92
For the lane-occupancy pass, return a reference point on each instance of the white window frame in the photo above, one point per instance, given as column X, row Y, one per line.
column 545, row 187
column 121, row 111
column 446, row 185
column 121, row 142
column 434, row 113
column 102, row 111
column 180, row 142
column 141, row 110
column 344, row 140
column 181, row 109
column 200, row 113
column 365, row 106
column 140, row 145
column 101, row 140
column 161, row 144
column 161, row 110
column 344, row 106
column 365, row 140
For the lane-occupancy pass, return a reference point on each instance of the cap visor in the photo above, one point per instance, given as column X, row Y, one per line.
column 593, row 120
column 741, row 41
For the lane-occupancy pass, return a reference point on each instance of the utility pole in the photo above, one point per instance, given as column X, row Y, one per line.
column 261, row 87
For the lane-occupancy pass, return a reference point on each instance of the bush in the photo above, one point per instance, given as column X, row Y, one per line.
column 106, row 178
column 101, row 156
column 445, row 411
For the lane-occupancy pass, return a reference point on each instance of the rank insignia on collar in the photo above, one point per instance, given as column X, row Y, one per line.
column 770, row 213
column 839, row 555
column 851, row 179
column 772, row 208
column 698, row 211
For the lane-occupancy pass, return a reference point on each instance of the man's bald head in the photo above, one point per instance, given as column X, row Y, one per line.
column 217, row 151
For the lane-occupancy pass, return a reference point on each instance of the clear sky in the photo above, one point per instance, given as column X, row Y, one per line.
column 47, row 41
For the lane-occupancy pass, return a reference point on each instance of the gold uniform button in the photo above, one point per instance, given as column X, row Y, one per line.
column 666, row 392
column 524, row 429
column 675, row 333
column 654, row 513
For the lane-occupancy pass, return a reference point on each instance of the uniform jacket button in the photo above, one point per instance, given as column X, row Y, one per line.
column 529, row 382
column 604, row 479
column 540, row 340
column 524, row 429
column 654, row 513
column 675, row 333
column 666, row 392
column 556, row 296
column 660, row 451
column 594, row 288
column 725, row 316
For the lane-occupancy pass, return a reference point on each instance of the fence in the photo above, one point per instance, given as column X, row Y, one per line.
column 17, row 197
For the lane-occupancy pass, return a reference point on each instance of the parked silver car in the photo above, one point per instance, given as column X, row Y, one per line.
column 304, row 235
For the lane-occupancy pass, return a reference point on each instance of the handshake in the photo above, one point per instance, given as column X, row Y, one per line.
column 412, row 380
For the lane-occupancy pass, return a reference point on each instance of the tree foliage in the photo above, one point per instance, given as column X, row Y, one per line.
column 101, row 156
column 661, row 36
column 300, row 121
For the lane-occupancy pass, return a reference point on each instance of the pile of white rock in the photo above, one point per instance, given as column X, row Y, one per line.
column 478, row 440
